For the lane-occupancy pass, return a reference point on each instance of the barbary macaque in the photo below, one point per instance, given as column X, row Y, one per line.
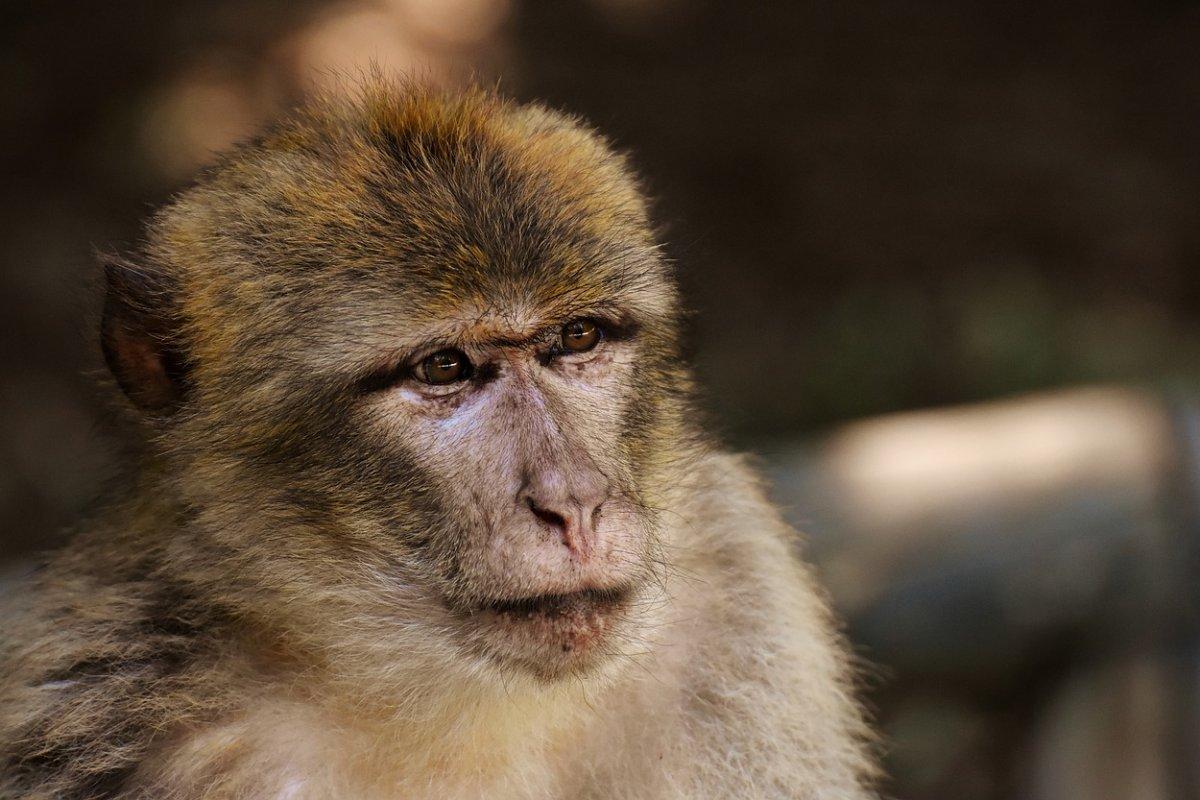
column 423, row 508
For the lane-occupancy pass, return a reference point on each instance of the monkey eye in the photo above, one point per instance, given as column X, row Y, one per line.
column 580, row 335
column 444, row 366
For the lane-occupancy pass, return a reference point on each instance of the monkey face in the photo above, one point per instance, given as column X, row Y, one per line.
column 486, row 472
column 493, row 457
column 499, row 453
column 544, row 544
column 420, row 379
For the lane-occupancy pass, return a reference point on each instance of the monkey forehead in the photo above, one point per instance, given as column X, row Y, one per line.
column 413, row 198
column 404, row 206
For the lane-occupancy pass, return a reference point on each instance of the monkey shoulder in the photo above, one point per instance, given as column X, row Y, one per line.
column 101, row 659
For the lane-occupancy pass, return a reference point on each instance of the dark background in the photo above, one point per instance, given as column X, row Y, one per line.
column 874, row 207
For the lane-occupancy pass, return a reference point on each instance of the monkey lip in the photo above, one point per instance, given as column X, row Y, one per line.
column 551, row 632
column 551, row 635
column 561, row 605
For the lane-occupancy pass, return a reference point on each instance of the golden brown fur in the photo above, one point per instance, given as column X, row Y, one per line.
column 292, row 599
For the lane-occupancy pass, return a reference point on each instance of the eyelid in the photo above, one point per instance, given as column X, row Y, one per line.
column 397, row 371
column 421, row 370
column 557, row 351
column 615, row 326
column 384, row 378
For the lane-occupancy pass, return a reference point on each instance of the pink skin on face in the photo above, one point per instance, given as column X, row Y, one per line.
column 554, row 547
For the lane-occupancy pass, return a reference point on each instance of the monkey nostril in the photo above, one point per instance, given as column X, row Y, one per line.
column 549, row 517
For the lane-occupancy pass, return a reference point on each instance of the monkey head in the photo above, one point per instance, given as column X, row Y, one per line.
column 409, row 367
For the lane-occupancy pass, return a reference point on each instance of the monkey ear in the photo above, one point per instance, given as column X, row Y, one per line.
column 139, row 334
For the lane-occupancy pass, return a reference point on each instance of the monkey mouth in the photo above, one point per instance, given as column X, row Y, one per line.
column 551, row 606
column 553, row 633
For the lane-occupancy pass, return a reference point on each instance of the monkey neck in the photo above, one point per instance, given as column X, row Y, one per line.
column 476, row 736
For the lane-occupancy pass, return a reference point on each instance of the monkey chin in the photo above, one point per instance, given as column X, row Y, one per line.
column 555, row 635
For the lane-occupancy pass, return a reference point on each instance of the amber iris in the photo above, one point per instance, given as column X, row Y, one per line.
column 580, row 335
column 445, row 366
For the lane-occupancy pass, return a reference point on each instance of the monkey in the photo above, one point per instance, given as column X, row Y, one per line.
column 423, row 506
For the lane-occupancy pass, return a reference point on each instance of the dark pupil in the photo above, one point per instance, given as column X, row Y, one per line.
column 580, row 335
column 445, row 367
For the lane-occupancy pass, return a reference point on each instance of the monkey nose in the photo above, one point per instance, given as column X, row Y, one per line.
column 574, row 516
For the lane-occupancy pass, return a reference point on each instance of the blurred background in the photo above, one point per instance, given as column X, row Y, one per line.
column 945, row 264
